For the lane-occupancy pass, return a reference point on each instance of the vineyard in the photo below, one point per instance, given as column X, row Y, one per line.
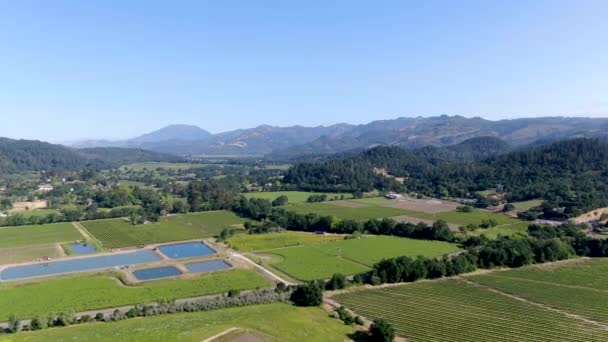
column 257, row 242
column 452, row 310
column 118, row 233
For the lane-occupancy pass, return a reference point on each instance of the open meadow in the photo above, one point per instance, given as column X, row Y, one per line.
column 340, row 211
column 257, row 242
column 91, row 292
column 272, row 322
column 319, row 261
column 294, row 196
column 118, row 233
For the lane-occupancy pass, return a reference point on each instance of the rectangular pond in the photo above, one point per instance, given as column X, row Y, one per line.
column 43, row 269
column 207, row 266
column 186, row 250
column 156, row 273
column 83, row 248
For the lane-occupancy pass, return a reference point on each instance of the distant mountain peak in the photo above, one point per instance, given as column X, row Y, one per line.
column 177, row 132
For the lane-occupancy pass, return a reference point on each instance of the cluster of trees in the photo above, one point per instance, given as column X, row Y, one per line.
column 571, row 176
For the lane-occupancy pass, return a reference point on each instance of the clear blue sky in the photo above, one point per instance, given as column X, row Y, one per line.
column 114, row 69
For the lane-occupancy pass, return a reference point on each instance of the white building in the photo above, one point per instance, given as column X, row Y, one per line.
column 45, row 187
column 393, row 196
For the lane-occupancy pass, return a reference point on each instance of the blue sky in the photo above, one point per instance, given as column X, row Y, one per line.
column 115, row 69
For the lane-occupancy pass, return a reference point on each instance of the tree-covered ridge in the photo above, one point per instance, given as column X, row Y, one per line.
column 570, row 175
column 32, row 155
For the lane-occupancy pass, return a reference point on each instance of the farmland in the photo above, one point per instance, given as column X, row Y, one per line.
column 163, row 165
column 566, row 288
column 474, row 217
column 91, row 292
column 258, row 242
column 118, row 233
column 527, row 205
column 296, row 324
column 452, row 310
column 353, row 256
column 506, row 229
column 29, row 253
column 294, row 196
column 347, row 213
column 38, row 234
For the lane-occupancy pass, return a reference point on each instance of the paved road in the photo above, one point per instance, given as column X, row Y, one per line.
column 259, row 267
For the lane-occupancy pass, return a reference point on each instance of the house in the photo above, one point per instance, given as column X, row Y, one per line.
column 393, row 196
column 45, row 187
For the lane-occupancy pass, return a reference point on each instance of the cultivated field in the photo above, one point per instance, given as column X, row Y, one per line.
column 154, row 166
column 29, row 253
column 346, row 213
column 294, row 196
column 352, row 256
column 257, row 242
column 92, row 292
column 118, row 233
column 452, row 310
column 526, row 205
column 580, row 288
column 431, row 205
column 509, row 229
column 475, row 217
column 273, row 322
column 38, row 234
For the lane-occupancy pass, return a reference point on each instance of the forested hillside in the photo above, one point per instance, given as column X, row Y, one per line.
column 31, row 155
column 570, row 175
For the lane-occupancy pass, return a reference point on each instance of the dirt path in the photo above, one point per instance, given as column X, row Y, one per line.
column 259, row 267
column 542, row 306
column 224, row 333
column 82, row 230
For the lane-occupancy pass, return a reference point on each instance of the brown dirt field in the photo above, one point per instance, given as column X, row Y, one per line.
column 593, row 215
column 425, row 205
column 348, row 204
column 22, row 206
column 415, row 220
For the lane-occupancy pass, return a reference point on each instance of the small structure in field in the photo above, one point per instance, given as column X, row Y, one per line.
column 393, row 196
column 45, row 187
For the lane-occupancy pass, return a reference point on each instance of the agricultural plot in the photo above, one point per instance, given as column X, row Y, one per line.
column 428, row 205
column 296, row 324
column 452, row 310
column 506, row 229
column 257, row 242
column 565, row 288
column 92, row 292
column 346, row 213
column 527, row 205
column 353, row 256
column 294, row 196
column 118, row 233
column 38, row 234
column 29, row 253
column 161, row 165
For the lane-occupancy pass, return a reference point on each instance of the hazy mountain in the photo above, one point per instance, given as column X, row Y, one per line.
column 287, row 142
column 32, row 155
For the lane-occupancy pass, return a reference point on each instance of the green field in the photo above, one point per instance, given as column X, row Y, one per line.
column 92, row 292
column 257, row 242
column 452, row 310
column 118, row 233
column 28, row 253
column 475, row 217
column 154, row 166
column 507, row 230
column 580, row 288
column 347, row 213
column 527, row 205
column 294, row 196
column 131, row 184
column 352, row 256
column 38, row 234
column 273, row 322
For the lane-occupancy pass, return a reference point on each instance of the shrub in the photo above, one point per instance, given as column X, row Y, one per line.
column 307, row 294
column 337, row 282
column 381, row 331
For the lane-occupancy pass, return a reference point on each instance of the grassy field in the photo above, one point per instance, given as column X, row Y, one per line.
column 527, row 205
column 131, row 184
column 294, row 196
column 273, row 322
column 155, row 165
column 579, row 288
column 259, row 242
column 118, row 233
column 507, row 229
column 452, row 310
column 351, row 256
column 475, row 217
column 38, row 234
column 346, row 213
column 28, row 253
column 92, row 292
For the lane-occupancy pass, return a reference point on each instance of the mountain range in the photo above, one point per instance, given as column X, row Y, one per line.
column 289, row 142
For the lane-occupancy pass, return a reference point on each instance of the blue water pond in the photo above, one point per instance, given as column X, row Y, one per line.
column 156, row 273
column 83, row 248
column 78, row 265
column 186, row 250
column 207, row 266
